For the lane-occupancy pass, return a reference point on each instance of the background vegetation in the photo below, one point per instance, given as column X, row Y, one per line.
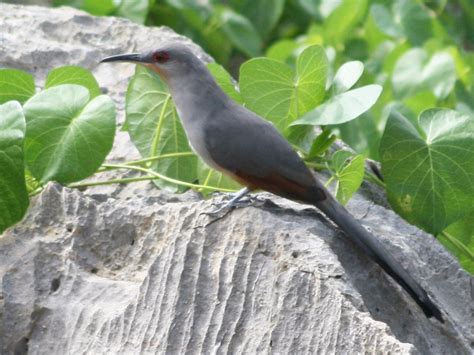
column 393, row 79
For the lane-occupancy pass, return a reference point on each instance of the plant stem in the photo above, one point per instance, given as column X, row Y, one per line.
column 317, row 166
column 374, row 179
column 156, row 176
column 157, row 157
column 112, row 181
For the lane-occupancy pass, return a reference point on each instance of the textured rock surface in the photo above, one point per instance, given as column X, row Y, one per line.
column 129, row 269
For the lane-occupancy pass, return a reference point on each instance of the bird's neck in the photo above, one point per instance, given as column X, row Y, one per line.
column 196, row 96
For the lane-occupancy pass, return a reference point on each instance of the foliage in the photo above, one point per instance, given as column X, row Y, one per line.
column 393, row 79
column 60, row 134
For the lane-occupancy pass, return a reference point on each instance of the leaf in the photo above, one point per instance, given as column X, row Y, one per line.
column 347, row 75
column 430, row 176
column 349, row 173
column 343, row 19
column 16, row 85
column 407, row 74
column 343, row 107
column 415, row 72
column 439, row 74
column 210, row 177
column 73, row 75
column 134, row 10
column 264, row 14
column 67, row 135
column 240, row 31
column 98, row 8
column 386, row 21
column 13, row 194
column 414, row 19
column 322, row 143
column 225, row 81
column 155, row 128
column 407, row 18
column 281, row 50
column 459, row 239
column 273, row 90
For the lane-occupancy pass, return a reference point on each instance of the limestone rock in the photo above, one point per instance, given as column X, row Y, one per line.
column 131, row 269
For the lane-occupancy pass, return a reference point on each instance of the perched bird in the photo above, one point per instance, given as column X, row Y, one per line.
column 239, row 143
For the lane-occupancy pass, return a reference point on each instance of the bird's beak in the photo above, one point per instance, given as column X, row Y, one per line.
column 133, row 57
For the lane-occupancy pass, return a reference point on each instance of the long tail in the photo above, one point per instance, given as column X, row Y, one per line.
column 372, row 246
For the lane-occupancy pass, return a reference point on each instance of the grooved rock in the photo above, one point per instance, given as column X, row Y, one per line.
column 133, row 270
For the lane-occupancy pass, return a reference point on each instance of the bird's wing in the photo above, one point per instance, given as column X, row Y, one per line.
column 255, row 153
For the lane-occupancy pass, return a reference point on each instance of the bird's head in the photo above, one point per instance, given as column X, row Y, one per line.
column 169, row 61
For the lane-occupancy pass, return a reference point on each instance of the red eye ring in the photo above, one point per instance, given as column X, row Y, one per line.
column 161, row 57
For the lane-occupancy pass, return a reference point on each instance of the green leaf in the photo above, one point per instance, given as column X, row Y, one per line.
column 407, row 75
column 98, row 8
column 407, row 18
column 430, row 176
column 73, row 75
column 225, row 81
column 13, row 194
column 273, row 90
column 322, row 143
column 386, row 21
column 264, row 14
column 347, row 75
column 349, row 174
column 16, row 85
column 240, row 31
column 134, row 10
column 155, row 128
column 459, row 239
column 439, row 74
column 343, row 107
column 338, row 26
column 282, row 49
column 210, row 177
column 414, row 72
column 68, row 136
column 414, row 19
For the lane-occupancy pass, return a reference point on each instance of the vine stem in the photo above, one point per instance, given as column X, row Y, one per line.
column 154, row 174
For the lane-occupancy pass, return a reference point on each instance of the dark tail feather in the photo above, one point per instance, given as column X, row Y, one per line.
column 372, row 246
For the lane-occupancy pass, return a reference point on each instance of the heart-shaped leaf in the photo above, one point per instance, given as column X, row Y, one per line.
column 430, row 175
column 16, row 85
column 67, row 135
column 275, row 91
column 155, row 128
column 73, row 75
column 13, row 193
column 343, row 107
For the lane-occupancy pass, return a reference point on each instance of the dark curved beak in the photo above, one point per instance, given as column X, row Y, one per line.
column 132, row 57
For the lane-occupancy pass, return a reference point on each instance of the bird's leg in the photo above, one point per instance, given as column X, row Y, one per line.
column 231, row 203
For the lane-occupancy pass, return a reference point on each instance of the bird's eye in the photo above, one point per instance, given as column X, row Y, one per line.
column 161, row 57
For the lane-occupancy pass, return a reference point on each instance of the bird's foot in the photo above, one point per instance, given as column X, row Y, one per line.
column 236, row 201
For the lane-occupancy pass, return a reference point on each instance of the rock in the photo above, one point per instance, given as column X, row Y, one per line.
column 131, row 269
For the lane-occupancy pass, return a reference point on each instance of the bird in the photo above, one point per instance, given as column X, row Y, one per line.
column 231, row 139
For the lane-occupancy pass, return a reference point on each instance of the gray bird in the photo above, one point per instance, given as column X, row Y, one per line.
column 249, row 149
